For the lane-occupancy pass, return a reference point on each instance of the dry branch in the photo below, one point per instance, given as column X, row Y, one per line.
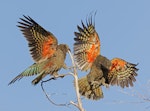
column 77, row 104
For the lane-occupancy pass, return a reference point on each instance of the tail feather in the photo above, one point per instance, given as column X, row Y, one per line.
column 15, row 79
column 32, row 70
column 93, row 92
column 38, row 78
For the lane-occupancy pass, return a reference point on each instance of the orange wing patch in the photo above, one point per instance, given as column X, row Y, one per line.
column 86, row 46
column 41, row 42
column 122, row 73
column 48, row 49
column 117, row 64
column 92, row 53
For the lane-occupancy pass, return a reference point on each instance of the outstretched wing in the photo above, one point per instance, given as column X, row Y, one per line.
column 41, row 42
column 122, row 73
column 86, row 46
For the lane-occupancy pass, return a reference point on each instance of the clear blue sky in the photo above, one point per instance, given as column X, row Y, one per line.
column 124, row 30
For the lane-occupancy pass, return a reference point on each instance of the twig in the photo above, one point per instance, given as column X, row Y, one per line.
column 73, row 103
column 51, row 101
column 136, row 94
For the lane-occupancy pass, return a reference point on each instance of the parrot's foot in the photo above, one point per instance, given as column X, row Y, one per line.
column 104, row 83
column 59, row 76
column 67, row 67
column 95, row 84
column 99, row 83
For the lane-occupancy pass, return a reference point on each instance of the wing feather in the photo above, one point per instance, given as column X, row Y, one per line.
column 41, row 42
column 86, row 46
column 122, row 73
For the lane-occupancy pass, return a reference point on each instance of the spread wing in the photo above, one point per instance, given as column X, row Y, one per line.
column 41, row 42
column 122, row 73
column 86, row 46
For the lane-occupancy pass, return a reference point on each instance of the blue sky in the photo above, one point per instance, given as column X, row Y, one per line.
column 124, row 30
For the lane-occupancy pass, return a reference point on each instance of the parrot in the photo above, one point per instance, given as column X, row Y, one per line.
column 90, row 85
column 102, row 71
column 48, row 55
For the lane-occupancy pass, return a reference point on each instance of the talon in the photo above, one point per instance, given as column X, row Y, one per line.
column 95, row 83
column 62, row 76
column 106, row 85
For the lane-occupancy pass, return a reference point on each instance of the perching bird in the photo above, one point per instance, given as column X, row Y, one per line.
column 102, row 70
column 49, row 57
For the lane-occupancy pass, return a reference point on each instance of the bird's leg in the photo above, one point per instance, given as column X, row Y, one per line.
column 104, row 83
column 56, row 75
column 100, row 82
column 95, row 84
column 65, row 66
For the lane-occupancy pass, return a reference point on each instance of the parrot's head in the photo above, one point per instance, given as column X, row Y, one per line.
column 64, row 47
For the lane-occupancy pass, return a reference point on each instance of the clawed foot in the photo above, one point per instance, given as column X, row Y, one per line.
column 59, row 76
column 95, row 83
column 106, row 85
column 99, row 83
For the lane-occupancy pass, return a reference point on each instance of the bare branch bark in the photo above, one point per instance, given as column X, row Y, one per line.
column 47, row 96
column 79, row 105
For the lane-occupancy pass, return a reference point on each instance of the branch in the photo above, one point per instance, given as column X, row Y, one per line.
column 50, row 100
column 79, row 105
column 47, row 96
